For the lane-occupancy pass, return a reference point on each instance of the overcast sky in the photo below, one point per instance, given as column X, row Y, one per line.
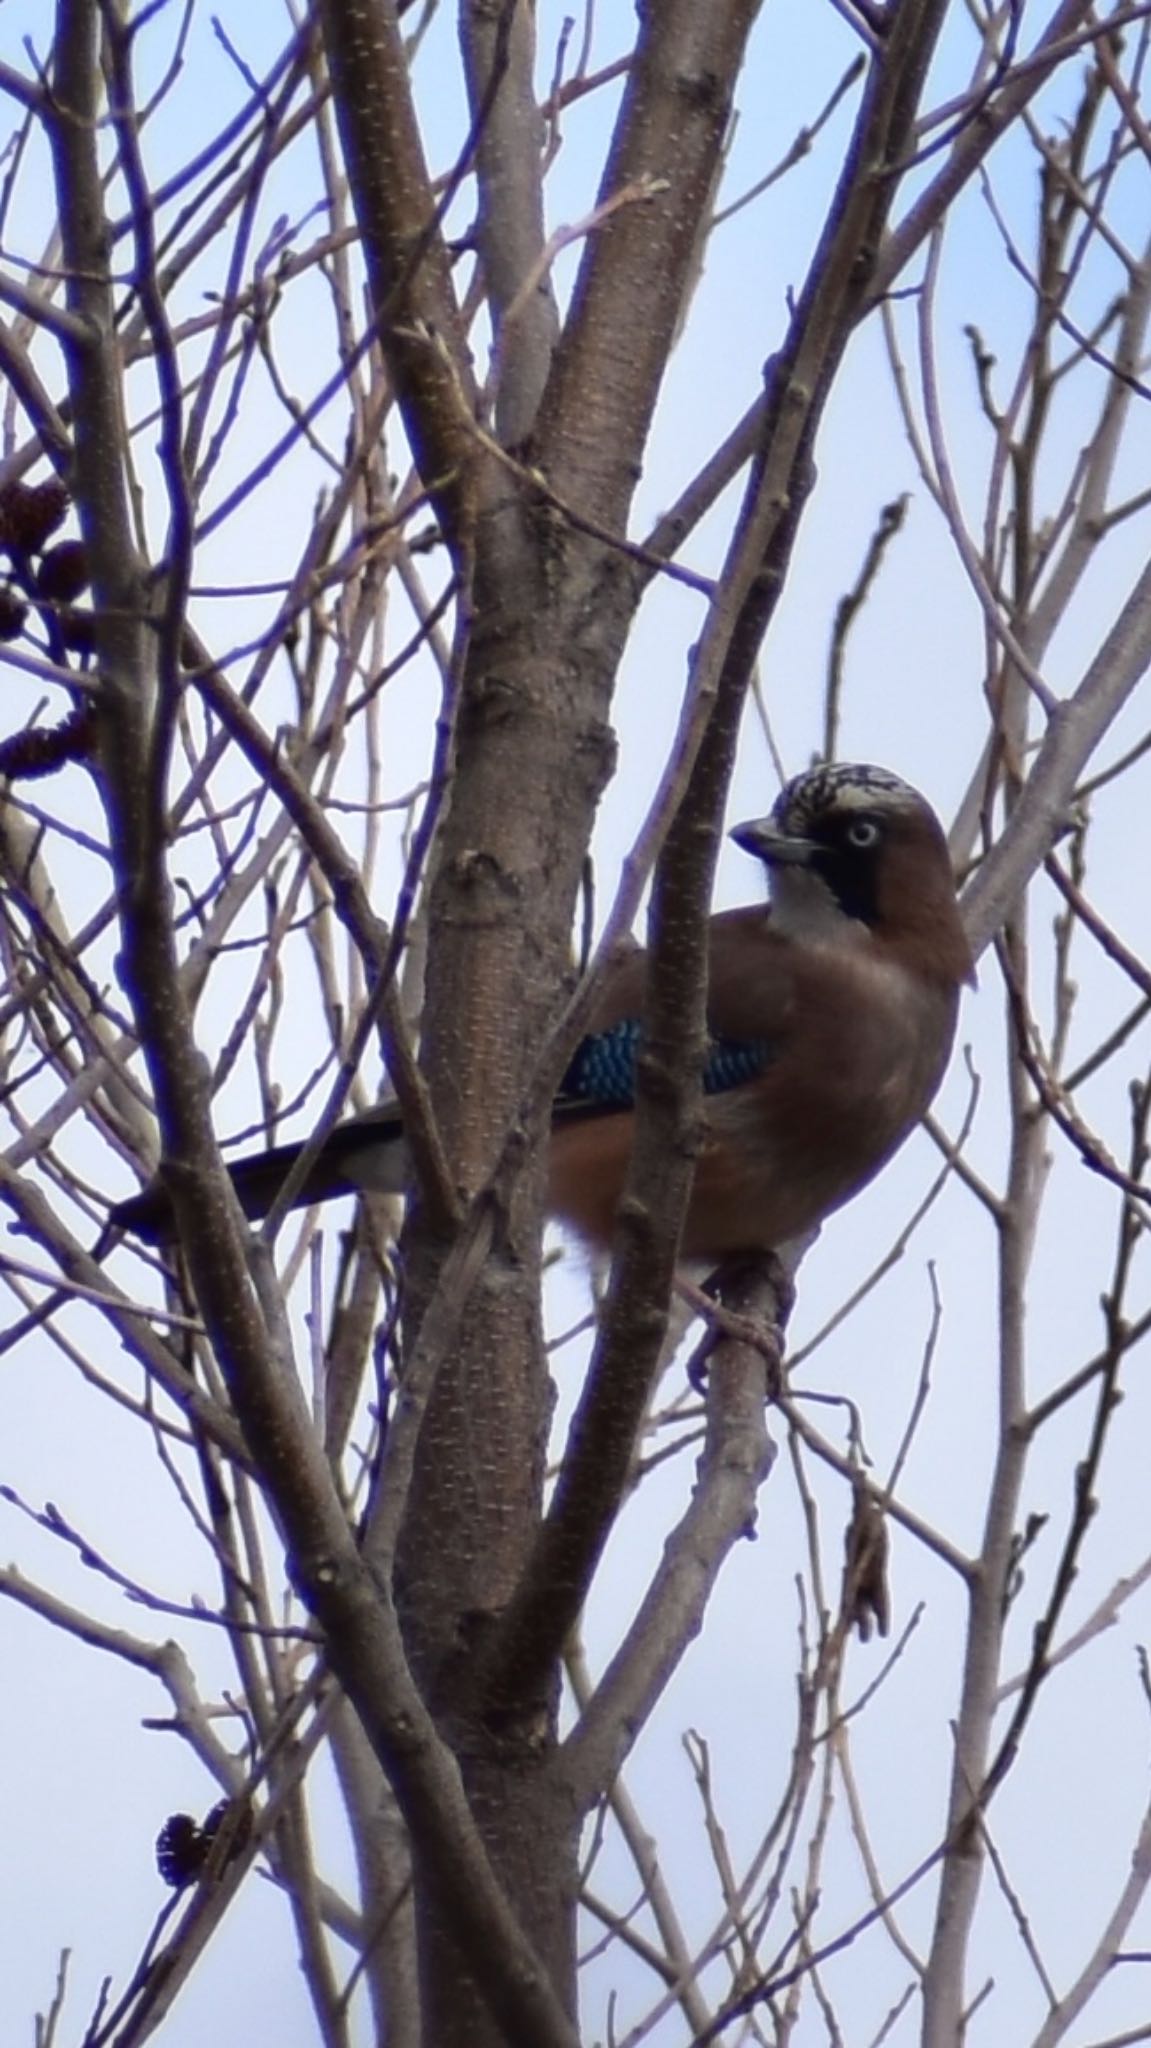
column 86, row 1786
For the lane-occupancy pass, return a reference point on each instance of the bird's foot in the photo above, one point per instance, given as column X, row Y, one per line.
column 747, row 1273
column 727, row 1324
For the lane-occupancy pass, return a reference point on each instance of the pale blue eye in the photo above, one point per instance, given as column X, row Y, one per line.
column 863, row 832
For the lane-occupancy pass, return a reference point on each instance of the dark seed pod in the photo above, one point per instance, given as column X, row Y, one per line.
column 30, row 514
column 180, row 1850
column 42, row 749
column 13, row 613
column 78, row 630
column 63, row 572
column 183, row 1848
column 214, row 1821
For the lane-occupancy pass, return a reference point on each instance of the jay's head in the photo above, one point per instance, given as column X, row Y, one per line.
column 856, row 857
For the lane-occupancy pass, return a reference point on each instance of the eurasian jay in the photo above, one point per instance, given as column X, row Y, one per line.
column 831, row 1013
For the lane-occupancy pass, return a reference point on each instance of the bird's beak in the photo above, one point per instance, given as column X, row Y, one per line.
column 763, row 838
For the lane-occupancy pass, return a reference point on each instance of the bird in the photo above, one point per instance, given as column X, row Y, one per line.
column 831, row 1013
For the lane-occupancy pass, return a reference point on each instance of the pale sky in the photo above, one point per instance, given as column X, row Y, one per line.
column 87, row 1786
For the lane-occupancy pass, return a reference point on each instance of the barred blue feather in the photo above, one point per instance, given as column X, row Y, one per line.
column 602, row 1069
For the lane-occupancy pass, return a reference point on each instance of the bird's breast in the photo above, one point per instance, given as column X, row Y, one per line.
column 856, row 1047
column 827, row 1114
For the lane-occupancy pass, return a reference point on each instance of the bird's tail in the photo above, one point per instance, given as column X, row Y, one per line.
column 365, row 1154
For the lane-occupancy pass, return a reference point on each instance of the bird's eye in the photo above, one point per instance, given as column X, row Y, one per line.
column 863, row 833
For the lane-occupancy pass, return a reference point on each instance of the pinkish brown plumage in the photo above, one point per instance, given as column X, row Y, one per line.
column 851, row 980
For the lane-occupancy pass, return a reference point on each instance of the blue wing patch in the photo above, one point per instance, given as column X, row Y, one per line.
column 732, row 1061
column 602, row 1069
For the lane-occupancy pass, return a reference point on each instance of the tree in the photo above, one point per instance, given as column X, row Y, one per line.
column 319, row 506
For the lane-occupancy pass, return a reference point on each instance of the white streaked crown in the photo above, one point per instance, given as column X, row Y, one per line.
column 841, row 786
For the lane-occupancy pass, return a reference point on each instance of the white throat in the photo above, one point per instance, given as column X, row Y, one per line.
column 803, row 907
